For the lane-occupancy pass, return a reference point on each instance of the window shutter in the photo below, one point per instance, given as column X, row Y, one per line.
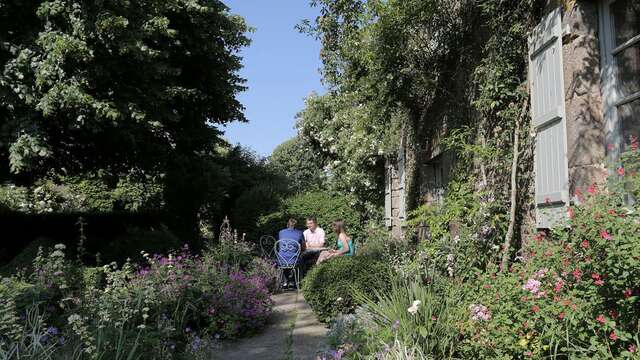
column 388, row 179
column 549, row 121
column 402, row 215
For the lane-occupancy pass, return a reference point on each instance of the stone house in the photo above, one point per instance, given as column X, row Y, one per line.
column 584, row 81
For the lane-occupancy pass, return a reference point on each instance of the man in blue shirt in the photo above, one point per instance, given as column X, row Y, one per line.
column 288, row 251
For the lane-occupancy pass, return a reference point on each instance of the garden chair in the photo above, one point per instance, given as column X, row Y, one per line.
column 287, row 253
column 266, row 243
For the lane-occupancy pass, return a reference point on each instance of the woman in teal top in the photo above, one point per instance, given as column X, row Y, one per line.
column 344, row 243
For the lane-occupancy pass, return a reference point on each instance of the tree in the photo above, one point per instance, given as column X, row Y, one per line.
column 297, row 162
column 119, row 85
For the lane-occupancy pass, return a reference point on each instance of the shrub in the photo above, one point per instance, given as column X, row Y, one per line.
column 329, row 287
column 575, row 294
column 326, row 207
column 135, row 240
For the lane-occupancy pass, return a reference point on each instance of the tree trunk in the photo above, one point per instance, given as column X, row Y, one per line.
column 506, row 247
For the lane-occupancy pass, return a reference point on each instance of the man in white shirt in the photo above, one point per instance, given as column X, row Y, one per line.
column 314, row 235
column 314, row 243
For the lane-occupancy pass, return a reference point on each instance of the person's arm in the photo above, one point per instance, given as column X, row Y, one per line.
column 345, row 244
column 322, row 238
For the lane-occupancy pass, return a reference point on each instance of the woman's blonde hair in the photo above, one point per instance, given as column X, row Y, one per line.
column 339, row 227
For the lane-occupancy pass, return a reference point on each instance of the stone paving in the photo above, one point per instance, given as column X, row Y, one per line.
column 293, row 333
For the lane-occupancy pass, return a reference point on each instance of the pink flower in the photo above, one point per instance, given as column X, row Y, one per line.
column 479, row 312
column 592, row 189
column 599, row 282
column 535, row 308
column 585, row 244
column 633, row 348
column 613, row 336
column 558, row 286
column 634, row 142
column 540, row 273
column 601, row 319
column 570, row 212
column 620, row 171
column 561, row 316
column 627, row 293
column 434, row 318
column 605, row 235
column 611, row 147
column 595, row 276
column 579, row 195
column 577, row 274
column 532, row 285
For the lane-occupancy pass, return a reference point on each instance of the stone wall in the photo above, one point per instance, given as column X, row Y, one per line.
column 583, row 100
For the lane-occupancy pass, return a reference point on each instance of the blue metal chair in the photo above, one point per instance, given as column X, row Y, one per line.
column 287, row 253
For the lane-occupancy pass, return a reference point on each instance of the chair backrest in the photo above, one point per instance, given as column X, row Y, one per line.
column 287, row 252
column 266, row 243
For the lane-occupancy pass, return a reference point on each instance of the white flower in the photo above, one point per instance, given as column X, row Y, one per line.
column 413, row 309
column 339, row 299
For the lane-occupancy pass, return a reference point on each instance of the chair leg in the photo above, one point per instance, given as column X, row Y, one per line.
column 280, row 275
column 296, row 274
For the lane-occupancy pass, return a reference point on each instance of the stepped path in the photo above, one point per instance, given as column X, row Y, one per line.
column 293, row 333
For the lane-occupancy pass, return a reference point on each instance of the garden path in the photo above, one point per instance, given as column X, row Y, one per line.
column 294, row 333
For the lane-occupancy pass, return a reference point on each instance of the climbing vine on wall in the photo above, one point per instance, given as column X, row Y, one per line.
column 414, row 68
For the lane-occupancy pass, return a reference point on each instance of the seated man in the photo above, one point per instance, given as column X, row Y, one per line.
column 287, row 253
column 314, row 241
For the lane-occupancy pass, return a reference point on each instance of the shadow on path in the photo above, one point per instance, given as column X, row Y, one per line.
column 293, row 333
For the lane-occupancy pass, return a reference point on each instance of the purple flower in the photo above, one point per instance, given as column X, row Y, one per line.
column 395, row 325
column 479, row 312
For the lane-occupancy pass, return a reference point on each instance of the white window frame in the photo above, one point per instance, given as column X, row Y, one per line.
column 612, row 97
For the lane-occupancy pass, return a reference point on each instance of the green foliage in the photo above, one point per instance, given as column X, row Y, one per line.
column 296, row 161
column 118, row 85
column 326, row 207
column 169, row 307
column 330, row 287
column 135, row 240
column 414, row 314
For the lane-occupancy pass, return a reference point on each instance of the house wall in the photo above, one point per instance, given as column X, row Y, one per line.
column 585, row 129
column 585, row 125
column 393, row 175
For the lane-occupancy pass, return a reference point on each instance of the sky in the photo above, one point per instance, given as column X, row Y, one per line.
column 281, row 67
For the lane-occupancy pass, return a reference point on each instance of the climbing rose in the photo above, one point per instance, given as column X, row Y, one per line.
column 633, row 348
column 620, row 171
column 585, row 244
column 613, row 336
column 535, row 308
column 634, row 142
column 592, row 189
column 561, row 315
column 601, row 319
column 627, row 293
column 605, row 235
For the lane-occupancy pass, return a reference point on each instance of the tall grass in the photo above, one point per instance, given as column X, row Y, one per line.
column 32, row 343
column 431, row 328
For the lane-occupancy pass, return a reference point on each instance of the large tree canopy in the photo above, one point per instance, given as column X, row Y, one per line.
column 114, row 83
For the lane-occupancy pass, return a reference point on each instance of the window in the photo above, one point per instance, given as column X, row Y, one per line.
column 621, row 72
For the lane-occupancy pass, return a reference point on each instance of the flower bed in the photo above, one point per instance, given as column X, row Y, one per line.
column 173, row 306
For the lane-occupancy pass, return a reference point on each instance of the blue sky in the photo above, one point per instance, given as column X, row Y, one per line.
column 281, row 68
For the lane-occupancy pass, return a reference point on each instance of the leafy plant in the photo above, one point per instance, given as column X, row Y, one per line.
column 330, row 287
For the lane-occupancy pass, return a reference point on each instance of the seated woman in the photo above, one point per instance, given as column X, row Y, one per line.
column 344, row 243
